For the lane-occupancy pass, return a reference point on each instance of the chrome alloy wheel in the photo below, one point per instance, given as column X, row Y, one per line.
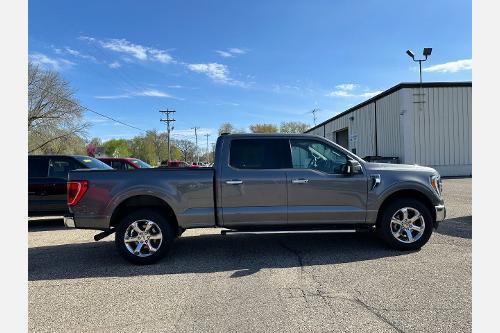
column 143, row 238
column 407, row 225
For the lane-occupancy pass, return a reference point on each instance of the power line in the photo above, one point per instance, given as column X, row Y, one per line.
column 168, row 121
column 88, row 109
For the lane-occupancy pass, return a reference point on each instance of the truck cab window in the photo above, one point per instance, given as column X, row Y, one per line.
column 311, row 154
column 259, row 154
column 59, row 168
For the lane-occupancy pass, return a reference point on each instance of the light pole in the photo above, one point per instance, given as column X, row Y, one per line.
column 427, row 52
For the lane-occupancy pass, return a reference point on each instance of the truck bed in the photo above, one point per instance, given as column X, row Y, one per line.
column 189, row 191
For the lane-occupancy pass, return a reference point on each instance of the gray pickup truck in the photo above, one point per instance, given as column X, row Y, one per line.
column 259, row 184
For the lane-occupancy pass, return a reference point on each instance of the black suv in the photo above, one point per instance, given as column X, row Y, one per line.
column 47, row 177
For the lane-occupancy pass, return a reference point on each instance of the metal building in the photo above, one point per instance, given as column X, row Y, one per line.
column 426, row 124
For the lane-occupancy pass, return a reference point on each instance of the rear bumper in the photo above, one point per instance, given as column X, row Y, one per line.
column 440, row 213
column 69, row 221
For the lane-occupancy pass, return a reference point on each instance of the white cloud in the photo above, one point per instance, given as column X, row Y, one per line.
column 231, row 52
column 347, row 90
column 451, row 67
column 339, row 93
column 370, row 94
column 224, row 54
column 142, row 93
column 161, row 56
column 346, row 86
column 124, row 46
column 217, row 72
column 47, row 62
column 114, row 65
column 137, row 51
column 236, row 50
column 153, row 93
column 78, row 54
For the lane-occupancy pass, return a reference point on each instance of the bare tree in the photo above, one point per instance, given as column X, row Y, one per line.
column 54, row 115
column 187, row 149
column 226, row 128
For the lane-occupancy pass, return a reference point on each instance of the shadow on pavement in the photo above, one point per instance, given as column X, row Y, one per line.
column 456, row 227
column 46, row 225
column 243, row 254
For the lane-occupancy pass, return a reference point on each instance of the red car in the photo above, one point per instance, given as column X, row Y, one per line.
column 175, row 164
column 124, row 163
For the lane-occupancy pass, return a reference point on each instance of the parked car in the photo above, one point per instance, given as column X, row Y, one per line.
column 47, row 177
column 175, row 164
column 124, row 163
column 260, row 184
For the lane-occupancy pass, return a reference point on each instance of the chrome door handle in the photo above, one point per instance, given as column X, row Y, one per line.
column 300, row 181
column 234, row 182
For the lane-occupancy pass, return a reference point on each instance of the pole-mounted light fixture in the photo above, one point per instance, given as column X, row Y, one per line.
column 427, row 52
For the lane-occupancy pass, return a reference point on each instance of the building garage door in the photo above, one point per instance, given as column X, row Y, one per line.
column 342, row 138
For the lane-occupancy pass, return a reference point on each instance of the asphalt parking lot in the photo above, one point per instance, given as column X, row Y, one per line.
column 256, row 283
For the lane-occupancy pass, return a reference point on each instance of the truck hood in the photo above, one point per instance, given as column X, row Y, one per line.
column 399, row 167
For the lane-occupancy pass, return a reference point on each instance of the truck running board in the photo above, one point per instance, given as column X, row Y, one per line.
column 312, row 231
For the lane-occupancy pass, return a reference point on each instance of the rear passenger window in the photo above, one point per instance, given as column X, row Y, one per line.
column 37, row 167
column 59, row 168
column 259, row 154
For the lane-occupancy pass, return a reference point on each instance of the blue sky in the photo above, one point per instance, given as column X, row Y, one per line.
column 241, row 61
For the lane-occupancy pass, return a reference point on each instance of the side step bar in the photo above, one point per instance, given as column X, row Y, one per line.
column 312, row 231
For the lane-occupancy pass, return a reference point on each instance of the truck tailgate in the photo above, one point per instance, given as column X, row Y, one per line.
column 188, row 191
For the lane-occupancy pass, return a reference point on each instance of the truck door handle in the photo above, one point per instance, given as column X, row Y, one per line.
column 234, row 182
column 300, row 181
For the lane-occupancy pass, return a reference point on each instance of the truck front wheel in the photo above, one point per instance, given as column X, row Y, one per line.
column 405, row 224
column 143, row 237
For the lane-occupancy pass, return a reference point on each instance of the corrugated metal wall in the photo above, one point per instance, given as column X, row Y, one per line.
column 443, row 128
column 388, row 126
column 438, row 128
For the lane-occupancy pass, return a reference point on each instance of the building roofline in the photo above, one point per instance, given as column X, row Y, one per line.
column 390, row 91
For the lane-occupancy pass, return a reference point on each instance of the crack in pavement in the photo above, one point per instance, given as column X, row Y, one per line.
column 324, row 296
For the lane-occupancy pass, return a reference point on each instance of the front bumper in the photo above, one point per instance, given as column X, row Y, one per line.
column 69, row 221
column 440, row 213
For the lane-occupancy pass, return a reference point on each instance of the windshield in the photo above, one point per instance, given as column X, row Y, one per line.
column 140, row 164
column 92, row 163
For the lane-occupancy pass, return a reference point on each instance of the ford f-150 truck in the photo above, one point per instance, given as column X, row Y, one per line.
column 259, row 184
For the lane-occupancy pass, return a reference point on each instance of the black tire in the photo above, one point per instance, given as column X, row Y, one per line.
column 384, row 224
column 167, row 235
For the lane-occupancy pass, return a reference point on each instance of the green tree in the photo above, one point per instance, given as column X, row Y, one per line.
column 263, row 128
column 116, row 148
column 293, row 127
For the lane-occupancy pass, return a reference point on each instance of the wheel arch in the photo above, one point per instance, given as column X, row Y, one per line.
column 407, row 193
column 144, row 202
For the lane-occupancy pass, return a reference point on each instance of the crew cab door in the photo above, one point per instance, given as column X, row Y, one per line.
column 319, row 192
column 253, row 182
column 59, row 167
column 37, row 178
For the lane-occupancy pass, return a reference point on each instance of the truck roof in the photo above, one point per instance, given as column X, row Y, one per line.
column 284, row 135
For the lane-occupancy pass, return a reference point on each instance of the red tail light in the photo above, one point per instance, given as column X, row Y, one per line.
column 76, row 190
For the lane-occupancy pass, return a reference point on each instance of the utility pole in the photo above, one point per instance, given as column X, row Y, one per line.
column 168, row 121
column 314, row 115
column 196, row 143
column 207, row 135
column 213, row 151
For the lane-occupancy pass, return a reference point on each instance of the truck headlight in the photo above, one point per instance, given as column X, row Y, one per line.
column 437, row 184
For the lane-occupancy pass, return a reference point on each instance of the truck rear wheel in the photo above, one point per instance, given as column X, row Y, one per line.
column 144, row 237
column 405, row 224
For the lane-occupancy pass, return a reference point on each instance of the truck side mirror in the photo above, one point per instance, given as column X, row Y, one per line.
column 352, row 167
